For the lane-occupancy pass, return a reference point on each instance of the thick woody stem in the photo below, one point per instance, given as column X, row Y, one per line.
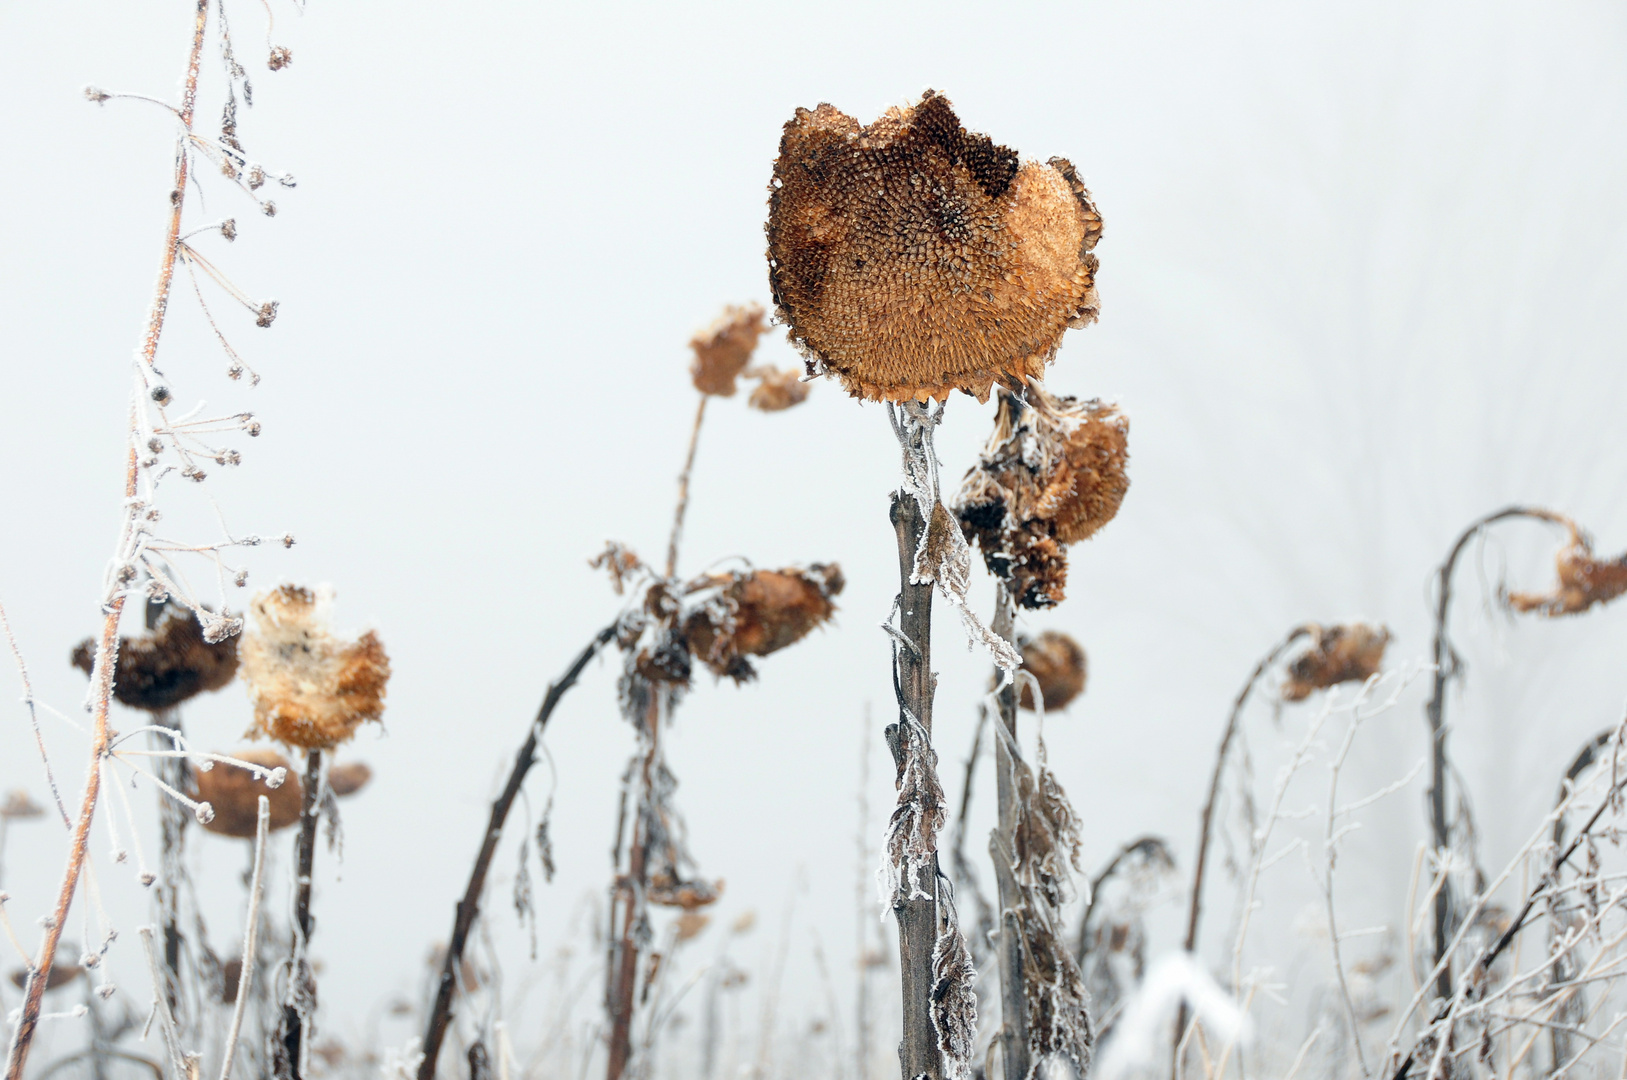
column 293, row 1033
column 918, row 1051
column 107, row 646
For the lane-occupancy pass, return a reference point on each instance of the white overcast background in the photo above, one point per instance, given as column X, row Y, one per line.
column 1362, row 281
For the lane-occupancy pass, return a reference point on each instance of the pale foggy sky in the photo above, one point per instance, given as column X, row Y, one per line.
column 1361, row 283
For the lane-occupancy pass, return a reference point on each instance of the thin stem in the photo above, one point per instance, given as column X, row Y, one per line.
column 1446, row 666
column 913, row 683
column 245, row 977
column 469, row 907
column 291, row 1037
column 630, row 894
column 1200, row 862
column 1013, row 1035
column 683, row 489
column 107, row 647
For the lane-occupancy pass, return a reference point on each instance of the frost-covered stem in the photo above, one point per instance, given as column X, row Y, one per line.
column 966, row 883
column 1445, row 660
column 1200, row 861
column 245, row 975
column 1013, row 1001
column 113, row 606
column 683, row 489
column 1564, row 962
column 620, row 995
column 469, row 907
column 293, row 1023
column 913, row 682
column 173, row 818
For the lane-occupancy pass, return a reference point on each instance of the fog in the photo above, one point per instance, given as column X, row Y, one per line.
column 1361, row 283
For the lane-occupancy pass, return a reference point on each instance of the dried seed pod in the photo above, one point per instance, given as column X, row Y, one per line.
column 669, row 890
column 759, row 612
column 19, row 806
column 61, row 975
column 911, row 257
column 234, row 793
column 349, row 778
column 310, row 688
column 1583, row 580
column 1352, row 652
column 690, row 924
column 160, row 670
column 723, row 349
column 1058, row 664
column 778, row 390
column 1052, row 474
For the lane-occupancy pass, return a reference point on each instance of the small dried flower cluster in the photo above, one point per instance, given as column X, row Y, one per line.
column 1058, row 664
column 1352, row 652
column 911, row 257
column 234, row 794
column 160, row 670
column 777, row 390
column 310, row 688
column 1052, row 474
column 1583, row 580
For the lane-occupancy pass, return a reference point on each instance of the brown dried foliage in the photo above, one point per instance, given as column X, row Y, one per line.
column 1058, row 664
column 310, row 688
column 1582, row 581
column 1052, row 474
column 234, row 793
column 778, row 390
column 911, row 257
column 18, row 805
column 1352, row 652
column 61, row 975
column 667, row 889
column 160, row 670
column 760, row 612
column 723, row 349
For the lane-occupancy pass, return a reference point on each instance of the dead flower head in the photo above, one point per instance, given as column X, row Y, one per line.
column 723, row 349
column 310, row 688
column 1058, row 664
column 1052, row 474
column 911, row 257
column 1352, row 652
column 759, row 612
column 18, row 806
column 667, row 889
column 61, row 975
column 1583, row 580
column 234, row 793
column 349, row 778
column 778, row 390
column 160, row 670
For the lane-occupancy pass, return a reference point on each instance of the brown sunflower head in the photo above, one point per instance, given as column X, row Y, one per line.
column 723, row 349
column 911, row 257
column 1583, row 580
column 18, row 806
column 1058, row 664
column 234, row 793
column 349, row 778
column 310, row 688
column 668, row 889
column 61, row 975
column 758, row 612
column 1052, row 474
column 162, row 669
column 1353, row 652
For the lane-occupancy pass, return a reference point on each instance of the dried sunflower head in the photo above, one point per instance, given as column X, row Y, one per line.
column 349, row 778
column 667, row 889
column 1583, row 580
column 911, row 257
column 164, row 668
column 1353, row 652
column 310, row 688
column 778, row 390
column 61, row 975
column 234, row 794
column 1058, row 664
column 19, row 806
column 723, row 349
column 759, row 612
column 1052, row 474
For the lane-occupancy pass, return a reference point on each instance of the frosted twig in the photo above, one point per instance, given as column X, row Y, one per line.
column 245, row 979
column 166, row 1019
column 33, row 717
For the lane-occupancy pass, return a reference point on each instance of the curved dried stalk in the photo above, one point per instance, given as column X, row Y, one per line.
column 468, row 908
column 245, row 976
column 107, row 645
